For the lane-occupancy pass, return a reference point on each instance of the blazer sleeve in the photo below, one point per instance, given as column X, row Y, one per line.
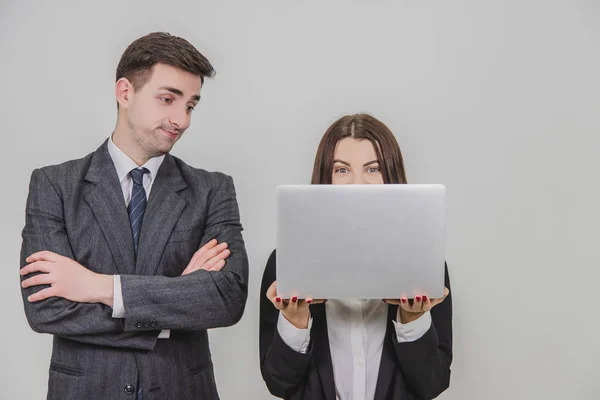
column 425, row 363
column 283, row 369
column 83, row 322
column 200, row 300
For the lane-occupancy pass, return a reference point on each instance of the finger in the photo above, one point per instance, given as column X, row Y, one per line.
column 426, row 306
column 209, row 245
column 302, row 304
column 293, row 303
column 273, row 297
column 407, row 304
column 41, row 279
column 395, row 302
column 278, row 303
column 43, row 256
column 37, row 266
column 208, row 265
column 199, row 258
column 218, row 266
column 202, row 250
column 272, row 291
column 41, row 295
column 215, row 251
column 418, row 303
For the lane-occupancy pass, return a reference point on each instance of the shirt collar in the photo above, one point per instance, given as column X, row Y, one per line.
column 124, row 164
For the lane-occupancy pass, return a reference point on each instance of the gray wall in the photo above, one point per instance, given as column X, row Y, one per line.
column 497, row 100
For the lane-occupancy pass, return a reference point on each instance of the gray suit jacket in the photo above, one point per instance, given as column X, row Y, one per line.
column 76, row 209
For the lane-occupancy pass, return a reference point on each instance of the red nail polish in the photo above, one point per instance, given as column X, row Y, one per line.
column 278, row 299
column 403, row 300
column 309, row 301
column 424, row 298
column 418, row 298
column 294, row 299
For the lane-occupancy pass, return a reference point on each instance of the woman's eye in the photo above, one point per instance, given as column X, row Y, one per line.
column 341, row 170
column 373, row 170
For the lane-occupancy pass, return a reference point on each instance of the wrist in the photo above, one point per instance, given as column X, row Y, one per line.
column 105, row 289
column 299, row 322
column 406, row 317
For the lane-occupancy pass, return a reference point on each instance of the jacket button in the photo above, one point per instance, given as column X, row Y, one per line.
column 138, row 325
column 146, row 324
column 129, row 389
column 153, row 323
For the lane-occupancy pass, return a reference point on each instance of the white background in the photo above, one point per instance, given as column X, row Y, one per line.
column 498, row 100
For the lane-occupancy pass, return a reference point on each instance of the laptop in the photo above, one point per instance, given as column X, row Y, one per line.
column 360, row 241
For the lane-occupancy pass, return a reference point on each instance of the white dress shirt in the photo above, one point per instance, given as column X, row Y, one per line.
column 356, row 330
column 124, row 164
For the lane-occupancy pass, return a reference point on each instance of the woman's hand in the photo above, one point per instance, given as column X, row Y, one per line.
column 411, row 309
column 295, row 310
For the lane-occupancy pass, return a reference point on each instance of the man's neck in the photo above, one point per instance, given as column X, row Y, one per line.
column 127, row 147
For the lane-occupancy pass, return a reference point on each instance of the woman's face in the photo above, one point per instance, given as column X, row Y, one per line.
column 355, row 162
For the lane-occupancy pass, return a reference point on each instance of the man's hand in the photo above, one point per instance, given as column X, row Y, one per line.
column 210, row 257
column 67, row 279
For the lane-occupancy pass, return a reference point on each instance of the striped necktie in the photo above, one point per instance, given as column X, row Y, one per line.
column 137, row 205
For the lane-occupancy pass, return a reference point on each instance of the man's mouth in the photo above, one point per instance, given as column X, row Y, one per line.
column 171, row 134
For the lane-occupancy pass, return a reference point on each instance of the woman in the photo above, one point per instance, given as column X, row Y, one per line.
column 359, row 349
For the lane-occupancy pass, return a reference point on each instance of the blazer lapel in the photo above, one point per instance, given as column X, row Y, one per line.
column 105, row 198
column 163, row 210
column 388, row 357
column 321, row 351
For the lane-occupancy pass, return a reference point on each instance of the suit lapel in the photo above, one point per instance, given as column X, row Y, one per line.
column 388, row 357
column 164, row 208
column 322, row 352
column 105, row 198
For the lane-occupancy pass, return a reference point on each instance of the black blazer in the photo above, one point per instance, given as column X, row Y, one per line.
column 408, row 371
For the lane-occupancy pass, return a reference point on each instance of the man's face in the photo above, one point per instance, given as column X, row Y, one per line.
column 160, row 110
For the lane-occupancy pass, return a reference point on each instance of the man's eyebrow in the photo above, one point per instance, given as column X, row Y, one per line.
column 172, row 90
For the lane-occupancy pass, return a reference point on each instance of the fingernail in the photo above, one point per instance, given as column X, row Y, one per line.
column 309, row 301
column 424, row 298
column 418, row 298
column 403, row 300
column 278, row 299
column 294, row 299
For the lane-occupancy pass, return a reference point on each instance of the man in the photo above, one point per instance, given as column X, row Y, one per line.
column 110, row 260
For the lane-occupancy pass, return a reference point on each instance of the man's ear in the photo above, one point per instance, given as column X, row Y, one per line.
column 123, row 92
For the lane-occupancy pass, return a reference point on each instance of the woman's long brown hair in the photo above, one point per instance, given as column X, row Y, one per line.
column 360, row 127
